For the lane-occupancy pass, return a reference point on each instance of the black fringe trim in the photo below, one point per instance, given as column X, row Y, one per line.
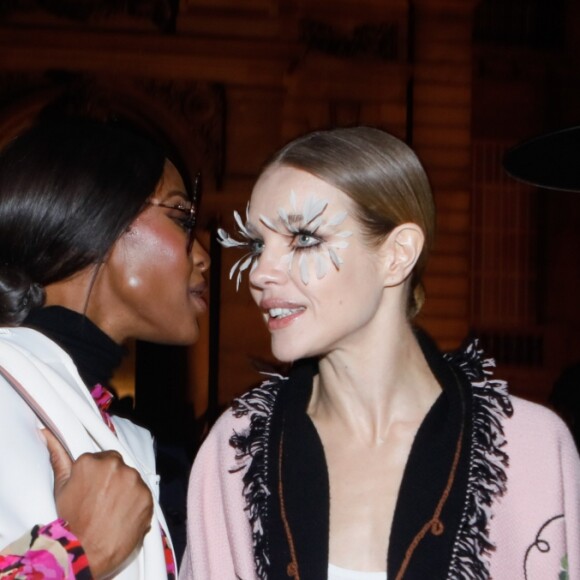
column 251, row 454
column 488, row 461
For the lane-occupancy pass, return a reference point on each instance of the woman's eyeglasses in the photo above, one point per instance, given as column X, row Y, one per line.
column 189, row 210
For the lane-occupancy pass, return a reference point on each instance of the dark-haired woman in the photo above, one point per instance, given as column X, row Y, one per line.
column 96, row 246
column 376, row 456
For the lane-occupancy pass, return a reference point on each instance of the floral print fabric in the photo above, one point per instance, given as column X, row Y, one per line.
column 49, row 551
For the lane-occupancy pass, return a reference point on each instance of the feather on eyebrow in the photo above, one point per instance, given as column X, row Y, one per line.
column 252, row 229
column 295, row 218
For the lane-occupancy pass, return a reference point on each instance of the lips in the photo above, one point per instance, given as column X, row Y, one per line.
column 198, row 293
column 199, row 289
column 280, row 314
column 283, row 312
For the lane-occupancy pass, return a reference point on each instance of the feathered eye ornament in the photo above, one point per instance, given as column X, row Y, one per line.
column 324, row 238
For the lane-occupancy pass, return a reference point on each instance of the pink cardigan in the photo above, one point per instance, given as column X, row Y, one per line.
column 529, row 534
column 219, row 543
column 534, row 526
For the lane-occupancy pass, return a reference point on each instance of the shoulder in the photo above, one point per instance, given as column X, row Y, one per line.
column 27, row 339
column 259, row 400
column 236, row 420
column 535, row 425
column 226, row 426
column 535, row 417
column 241, row 425
column 44, row 370
column 33, row 346
column 518, row 417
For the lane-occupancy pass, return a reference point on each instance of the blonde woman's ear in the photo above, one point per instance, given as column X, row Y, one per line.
column 401, row 250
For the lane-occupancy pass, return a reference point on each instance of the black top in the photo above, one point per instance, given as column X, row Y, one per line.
column 94, row 353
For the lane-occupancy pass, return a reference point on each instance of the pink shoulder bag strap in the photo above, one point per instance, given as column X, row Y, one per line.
column 36, row 407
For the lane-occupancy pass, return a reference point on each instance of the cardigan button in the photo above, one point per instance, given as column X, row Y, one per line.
column 437, row 527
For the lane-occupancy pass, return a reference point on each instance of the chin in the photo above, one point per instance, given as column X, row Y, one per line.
column 286, row 354
column 185, row 337
column 188, row 340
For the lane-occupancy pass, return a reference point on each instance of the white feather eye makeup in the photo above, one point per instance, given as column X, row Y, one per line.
column 249, row 241
column 314, row 238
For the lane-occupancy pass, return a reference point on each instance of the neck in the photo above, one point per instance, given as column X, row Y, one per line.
column 367, row 389
column 80, row 293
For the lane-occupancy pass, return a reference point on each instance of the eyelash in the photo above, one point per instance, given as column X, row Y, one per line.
column 306, row 234
column 185, row 223
column 257, row 244
column 254, row 243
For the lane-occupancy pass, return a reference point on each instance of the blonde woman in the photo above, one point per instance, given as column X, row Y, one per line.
column 376, row 456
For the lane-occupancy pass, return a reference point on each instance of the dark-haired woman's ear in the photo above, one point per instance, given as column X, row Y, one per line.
column 401, row 250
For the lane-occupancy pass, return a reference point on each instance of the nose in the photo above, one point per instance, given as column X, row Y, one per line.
column 269, row 268
column 200, row 258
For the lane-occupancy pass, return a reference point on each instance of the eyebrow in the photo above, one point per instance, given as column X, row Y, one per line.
column 252, row 229
column 293, row 218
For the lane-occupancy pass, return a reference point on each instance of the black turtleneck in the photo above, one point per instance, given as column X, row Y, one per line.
column 94, row 353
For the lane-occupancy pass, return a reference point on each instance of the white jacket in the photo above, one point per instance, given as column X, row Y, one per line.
column 26, row 476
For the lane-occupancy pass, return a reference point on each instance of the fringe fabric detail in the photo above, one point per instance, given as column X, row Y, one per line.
column 251, row 454
column 487, row 463
column 487, row 477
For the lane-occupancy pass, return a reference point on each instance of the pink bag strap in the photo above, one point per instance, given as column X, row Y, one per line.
column 36, row 407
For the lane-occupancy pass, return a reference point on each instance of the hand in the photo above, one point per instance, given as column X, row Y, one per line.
column 106, row 503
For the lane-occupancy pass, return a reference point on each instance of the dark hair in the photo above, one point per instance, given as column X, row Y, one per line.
column 69, row 188
column 382, row 176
